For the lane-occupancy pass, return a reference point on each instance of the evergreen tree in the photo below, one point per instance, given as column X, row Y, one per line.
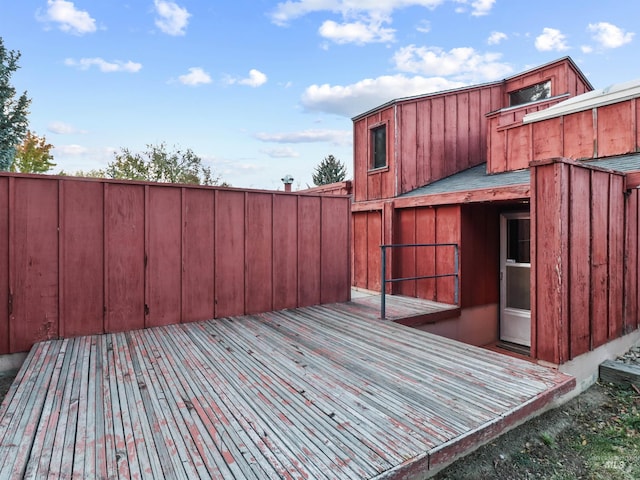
column 329, row 170
column 13, row 112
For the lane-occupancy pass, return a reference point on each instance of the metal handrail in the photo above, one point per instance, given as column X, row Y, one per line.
column 455, row 274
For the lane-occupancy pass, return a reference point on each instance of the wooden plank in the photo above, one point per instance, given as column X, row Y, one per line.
column 404, row 258
column 631, row 262
column 600, row 229
column 4, row 265
column 35, row 263
column 124, row 257
column 615, row 136
column 580, row 261
column 81, row 258
column 198, row 250
column 258, row 252
column 619, row 373
column 360, row 249
column 164, row 256
column 230, row 253
column 447, row 231
column 374, row 255
column 616, row 255
column 408, row 164
column 285, row 252
column 426, row 258
column 334, row 250
column 309, row 244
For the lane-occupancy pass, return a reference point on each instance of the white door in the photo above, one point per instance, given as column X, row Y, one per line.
column 515, row 278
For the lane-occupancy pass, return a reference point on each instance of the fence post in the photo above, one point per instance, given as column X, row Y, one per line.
column 384, row 283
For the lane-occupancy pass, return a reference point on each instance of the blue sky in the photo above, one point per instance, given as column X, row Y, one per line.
column 259, row 89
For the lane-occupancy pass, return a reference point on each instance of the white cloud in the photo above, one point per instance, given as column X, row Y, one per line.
column 496, row 37
column 551, row 39
column 424, row 26
column 356, row 32
column 291, row 9
column 337, row 137
column 586, row 49
column 609, row 35
column 462, row 63
column 68, row 18
column 255, row 79
column 350, row 100
column 103, row 65
column 482, row 7
column 172, row 19
column 284, row 152
column 62, row 128
column 196, row 76
column 71, row 150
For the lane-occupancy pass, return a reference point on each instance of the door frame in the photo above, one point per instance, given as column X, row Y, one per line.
column 515, row 314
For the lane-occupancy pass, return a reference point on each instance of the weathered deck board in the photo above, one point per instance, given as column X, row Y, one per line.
column 319, row 392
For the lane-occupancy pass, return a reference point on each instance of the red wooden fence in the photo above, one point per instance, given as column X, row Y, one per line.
column 86, row 256
column 584, row 258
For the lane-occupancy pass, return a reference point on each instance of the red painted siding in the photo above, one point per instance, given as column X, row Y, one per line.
column 631, row 262
column 164, row 251
column 84, row 256
column 33, row 263
column 198, row 207
column 81, row 258
column 599, row 132
column 124, row 257
column 4, row 263
column 579, row 216
column 426, row 225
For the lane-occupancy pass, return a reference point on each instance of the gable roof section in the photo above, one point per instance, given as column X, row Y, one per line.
column 472, row 87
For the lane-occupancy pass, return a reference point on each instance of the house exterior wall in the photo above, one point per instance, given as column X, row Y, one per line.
column 578, row 259
column 86, row 256
column 597, row 132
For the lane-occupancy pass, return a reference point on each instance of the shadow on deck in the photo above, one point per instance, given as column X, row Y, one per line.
column 317, row 392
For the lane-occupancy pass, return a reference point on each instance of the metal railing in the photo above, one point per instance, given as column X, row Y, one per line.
column 455, row 274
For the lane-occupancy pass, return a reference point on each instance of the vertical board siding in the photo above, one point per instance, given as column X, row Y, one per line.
column 81, row 258
column 579, row 239
column 631, row 262
column 259, row 253
column 426, row 225
column 616, row 130
column 334, row 280
column 198, row 241
column 34, row 264
column 580, row 263
column 4, row 264
column 230, row 253
column 309, row 250
column 285, row 251
column 164, row 251
column 87, row 256
column 124, row 257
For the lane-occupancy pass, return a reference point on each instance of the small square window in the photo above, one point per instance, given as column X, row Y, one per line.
column 534, row 93
column 379, row 147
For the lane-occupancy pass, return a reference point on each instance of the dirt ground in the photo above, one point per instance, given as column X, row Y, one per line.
column 594, row 436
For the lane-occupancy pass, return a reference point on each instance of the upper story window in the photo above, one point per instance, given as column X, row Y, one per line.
column 379, row 147
column 534, row 93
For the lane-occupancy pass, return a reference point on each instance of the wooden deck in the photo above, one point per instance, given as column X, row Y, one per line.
column 317, row 392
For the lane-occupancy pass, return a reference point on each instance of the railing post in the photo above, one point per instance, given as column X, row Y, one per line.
column 456, row 294
column 383, row 306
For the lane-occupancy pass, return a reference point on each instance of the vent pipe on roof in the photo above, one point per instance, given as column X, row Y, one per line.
column 287, row 180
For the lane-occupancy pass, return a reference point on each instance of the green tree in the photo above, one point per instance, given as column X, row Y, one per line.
column 329, row 170
column 156, row 164
column 13, row 112
column 33, row 155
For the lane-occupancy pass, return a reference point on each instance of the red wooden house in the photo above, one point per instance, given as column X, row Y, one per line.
column 534, row 179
